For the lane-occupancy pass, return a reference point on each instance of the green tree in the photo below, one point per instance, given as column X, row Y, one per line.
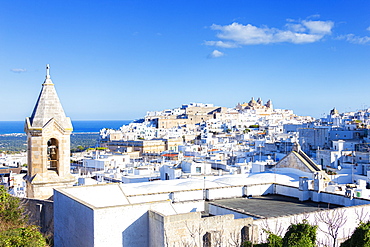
column 272, row 241
column 14, row 228
column 246, row 130
column 360, row 237
column 298, row 235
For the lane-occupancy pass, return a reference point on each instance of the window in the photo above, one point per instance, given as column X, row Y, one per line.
column 198, row 170
column 207, row 240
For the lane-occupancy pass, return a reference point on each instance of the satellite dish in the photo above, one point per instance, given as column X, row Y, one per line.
column 339, row 168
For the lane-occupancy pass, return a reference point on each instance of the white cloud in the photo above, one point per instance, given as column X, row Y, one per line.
column 295, row 27
column 368, row 29
column 236, row 35
column 355, row 39
column 315, row 16
column 216, row 54
column 221, row 44
column 18, row 70
column 321, row 27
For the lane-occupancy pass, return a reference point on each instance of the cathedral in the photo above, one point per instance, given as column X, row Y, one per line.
column 256, row 106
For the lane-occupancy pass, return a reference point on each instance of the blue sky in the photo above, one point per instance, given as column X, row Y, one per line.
column 118, row 59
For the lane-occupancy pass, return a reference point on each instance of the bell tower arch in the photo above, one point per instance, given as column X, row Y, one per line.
column 48, row 138
column 53, row 157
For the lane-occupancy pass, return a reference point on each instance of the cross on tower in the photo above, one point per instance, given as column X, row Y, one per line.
column 47, row 71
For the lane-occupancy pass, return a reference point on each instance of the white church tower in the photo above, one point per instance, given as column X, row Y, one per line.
column 48, row 138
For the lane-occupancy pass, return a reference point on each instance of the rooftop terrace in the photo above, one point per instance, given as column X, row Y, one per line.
column 272, row 205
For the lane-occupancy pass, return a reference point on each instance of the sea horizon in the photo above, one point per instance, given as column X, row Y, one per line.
column 79, row 126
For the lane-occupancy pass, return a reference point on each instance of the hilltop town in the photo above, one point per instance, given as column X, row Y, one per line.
column 230, row 140
column 196, row 175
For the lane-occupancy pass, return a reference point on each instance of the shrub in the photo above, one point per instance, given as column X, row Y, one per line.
column 360, row 237
column 300, row 235
column 14, row 230
column 28, row 236
column 11, row 211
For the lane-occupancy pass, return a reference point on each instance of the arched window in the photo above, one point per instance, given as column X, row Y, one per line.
column 53, row 155
column 207, row 242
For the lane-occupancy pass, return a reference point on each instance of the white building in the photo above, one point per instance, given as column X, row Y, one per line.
column 164, row 213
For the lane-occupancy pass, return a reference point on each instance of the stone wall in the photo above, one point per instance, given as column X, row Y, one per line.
column 190, row 229
column 41, row 213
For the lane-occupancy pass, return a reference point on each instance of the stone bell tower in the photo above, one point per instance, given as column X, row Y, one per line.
column 48, row 138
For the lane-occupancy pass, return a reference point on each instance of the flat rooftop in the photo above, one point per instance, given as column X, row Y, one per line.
column 272, row 205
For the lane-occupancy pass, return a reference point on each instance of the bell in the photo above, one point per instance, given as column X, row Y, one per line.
column 52, row 151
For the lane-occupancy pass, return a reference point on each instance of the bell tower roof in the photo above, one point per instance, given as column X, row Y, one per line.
column 48, row 106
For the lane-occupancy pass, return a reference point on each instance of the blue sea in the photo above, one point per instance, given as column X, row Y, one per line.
column 10, row 127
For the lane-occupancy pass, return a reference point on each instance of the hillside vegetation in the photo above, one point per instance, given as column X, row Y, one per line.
column 14, row 228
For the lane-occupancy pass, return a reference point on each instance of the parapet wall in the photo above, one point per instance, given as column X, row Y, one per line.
column 205, row 194
column 249, row 190
column 316, row 196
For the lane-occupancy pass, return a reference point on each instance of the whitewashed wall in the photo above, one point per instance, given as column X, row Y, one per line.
column 258, row 189
column 82, row 225
column 224, row 192
column 348, row 216
column 215, row 209
column 73, row 222
column 189, row 206
column 287, row 190
column 149, row 197
column 126, row 225
column 187, row 195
